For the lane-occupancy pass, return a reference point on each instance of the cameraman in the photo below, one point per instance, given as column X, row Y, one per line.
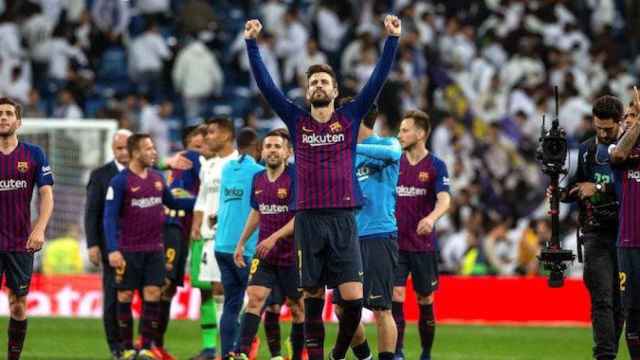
column 592, row 187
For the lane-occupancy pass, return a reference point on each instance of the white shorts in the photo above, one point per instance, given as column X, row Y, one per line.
column 209, row 269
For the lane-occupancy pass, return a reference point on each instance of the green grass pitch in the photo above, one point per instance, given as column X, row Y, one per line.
column 60, row 339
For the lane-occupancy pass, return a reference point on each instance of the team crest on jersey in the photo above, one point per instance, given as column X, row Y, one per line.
column 423, row 176
column 282, row 193
column 335, row 127
column 23, row 166
column 170, row 178
column 158, row 185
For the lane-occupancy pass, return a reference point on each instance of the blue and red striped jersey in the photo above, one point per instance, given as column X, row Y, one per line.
column 134, row 211
column 417, row 188
column 325, row 153
column 627, row 180
column 272, row 199
column 22, row 169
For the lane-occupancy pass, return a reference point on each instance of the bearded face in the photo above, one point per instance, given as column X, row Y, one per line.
column 321, row 90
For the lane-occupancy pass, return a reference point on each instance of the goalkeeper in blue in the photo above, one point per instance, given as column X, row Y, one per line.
column 377, row 168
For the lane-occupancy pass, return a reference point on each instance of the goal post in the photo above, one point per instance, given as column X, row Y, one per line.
column 73, row 148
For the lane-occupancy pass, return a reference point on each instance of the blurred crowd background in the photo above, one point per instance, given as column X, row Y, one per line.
column 484, row 70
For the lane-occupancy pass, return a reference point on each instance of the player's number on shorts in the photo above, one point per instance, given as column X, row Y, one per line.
column 254, row 266
column 170, row 255
column 120, row 272
column 623, row 281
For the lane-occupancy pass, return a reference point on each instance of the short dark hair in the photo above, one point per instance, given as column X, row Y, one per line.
column 281, row 132
column 247, row 137
column 133, row 142
column 322, row 68
column 420, row 119
column 15, row 104
column 223, row 122
column 189, row 132
column 608, row 107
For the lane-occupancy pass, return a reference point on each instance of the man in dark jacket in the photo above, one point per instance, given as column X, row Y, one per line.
column 96, row 192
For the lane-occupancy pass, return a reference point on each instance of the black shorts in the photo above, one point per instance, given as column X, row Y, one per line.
column 141, row 269
column 282, row 280
column 629, row 262
column 379, row 260
column 176, row 250
column 423, row 267
column 17, row 268
column 328, row 249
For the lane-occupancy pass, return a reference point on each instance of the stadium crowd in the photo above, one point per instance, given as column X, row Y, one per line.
column 484, row 71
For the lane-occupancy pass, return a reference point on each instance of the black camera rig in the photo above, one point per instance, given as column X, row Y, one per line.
column 552, row 153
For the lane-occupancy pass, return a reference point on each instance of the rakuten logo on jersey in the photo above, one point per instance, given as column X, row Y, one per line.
column 272, row 209
column 634, row 175
column 147, row 202
column 410, row 191
column 322, row 140
column 12, row 184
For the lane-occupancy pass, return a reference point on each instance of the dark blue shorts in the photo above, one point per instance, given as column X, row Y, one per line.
column 328, row 248
column 141, row 269
column 629, row 264
column 17, row 268
column 423, row 267
column 379, row 259
column 282, row 280
column 176, row 250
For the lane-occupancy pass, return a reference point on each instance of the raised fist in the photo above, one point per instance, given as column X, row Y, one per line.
column 393, row 25
column 252, row 29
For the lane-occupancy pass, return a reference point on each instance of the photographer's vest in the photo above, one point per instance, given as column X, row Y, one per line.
column 600, row 211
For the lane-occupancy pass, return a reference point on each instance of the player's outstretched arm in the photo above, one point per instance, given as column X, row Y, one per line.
column 380, row 152
column 176, row 202
column 278, row 101
column 361, row 104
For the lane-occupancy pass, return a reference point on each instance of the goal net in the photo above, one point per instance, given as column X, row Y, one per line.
column 74, row 148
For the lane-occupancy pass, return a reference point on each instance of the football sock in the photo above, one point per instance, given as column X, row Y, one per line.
column 272, row 331
column 397, row 309
column 427, row 329
column 17, row 333
column 314, row 328
column 349, row 321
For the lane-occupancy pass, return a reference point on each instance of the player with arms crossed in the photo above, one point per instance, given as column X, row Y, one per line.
column 377, row 165
column 625, row 162
column 327, row 190
column 22, row 166
column 274, row 265
column 134, row 220
column 423, row 197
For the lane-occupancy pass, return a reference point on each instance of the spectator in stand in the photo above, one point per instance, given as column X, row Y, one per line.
column 196, row 76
